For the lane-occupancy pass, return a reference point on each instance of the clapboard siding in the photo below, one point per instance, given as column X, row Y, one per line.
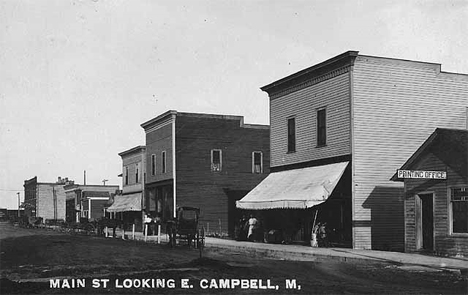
column 130, row 161
column 196, row 184
column 334, row 94
column 159, row 140
column 397, row 105
column 445, row 243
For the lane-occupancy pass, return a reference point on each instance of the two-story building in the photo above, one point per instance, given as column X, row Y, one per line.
column 205, row 161
column 343, row 127
column 87, row 201
column 45, row 199
column 128, row 205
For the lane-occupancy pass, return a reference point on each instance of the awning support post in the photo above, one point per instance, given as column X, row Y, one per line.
column 133, row 231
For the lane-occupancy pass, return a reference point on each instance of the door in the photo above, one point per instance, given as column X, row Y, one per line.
column 426, row 226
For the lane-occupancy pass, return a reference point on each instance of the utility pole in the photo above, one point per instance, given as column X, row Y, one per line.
column 104, row 181
column 19, row 203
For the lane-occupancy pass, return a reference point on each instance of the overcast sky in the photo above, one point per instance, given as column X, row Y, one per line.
column 77, row 78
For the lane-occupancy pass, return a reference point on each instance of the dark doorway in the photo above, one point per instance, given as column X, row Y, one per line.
column 427, row 221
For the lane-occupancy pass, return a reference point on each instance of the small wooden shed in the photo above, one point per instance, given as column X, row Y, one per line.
column 436, row 194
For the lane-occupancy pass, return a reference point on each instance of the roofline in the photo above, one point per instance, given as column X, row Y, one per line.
column 132, row 150
column 158, row 118
column 328, row 62
column 419, row 151
column 202, row 115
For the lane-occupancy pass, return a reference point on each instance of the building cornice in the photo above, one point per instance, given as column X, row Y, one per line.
column 137, row 149
column 317, row 73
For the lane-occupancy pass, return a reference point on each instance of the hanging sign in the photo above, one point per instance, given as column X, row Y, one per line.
column 422, row 174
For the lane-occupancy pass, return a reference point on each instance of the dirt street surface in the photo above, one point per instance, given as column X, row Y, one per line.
column 48, row 262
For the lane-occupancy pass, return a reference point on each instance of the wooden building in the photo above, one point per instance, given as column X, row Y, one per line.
column 436, row 194
column 373, row 113
column 87, row 201
column 203, row 160
column 45, row 200
column 128, row 205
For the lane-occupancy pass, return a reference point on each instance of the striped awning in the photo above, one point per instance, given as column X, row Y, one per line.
column 124, row 203
column 294, row 189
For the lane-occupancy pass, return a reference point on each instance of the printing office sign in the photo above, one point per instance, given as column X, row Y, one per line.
column 422, row 174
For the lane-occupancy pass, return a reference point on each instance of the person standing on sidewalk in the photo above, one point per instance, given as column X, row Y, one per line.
column 253, row 223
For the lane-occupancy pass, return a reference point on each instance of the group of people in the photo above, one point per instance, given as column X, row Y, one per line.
column 248, row 228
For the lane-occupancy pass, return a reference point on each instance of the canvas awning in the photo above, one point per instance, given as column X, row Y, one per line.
column 294, row 189
column 124, row 203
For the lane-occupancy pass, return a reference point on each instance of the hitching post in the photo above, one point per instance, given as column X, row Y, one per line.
column 146, row 230
column 159, row 234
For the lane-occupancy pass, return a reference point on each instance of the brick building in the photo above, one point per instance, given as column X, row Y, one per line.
column 369, row 114
column 45, row 199
column 202, row 160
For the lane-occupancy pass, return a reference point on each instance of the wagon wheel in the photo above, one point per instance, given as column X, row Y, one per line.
column 89, row 228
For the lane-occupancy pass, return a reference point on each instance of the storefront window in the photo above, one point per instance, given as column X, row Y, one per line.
column 459, row 201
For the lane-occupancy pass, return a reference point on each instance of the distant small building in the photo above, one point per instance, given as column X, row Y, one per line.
column 45, row 199
column 87, row 201
column 436, row 194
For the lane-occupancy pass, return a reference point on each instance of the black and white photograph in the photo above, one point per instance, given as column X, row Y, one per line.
column 233, row 147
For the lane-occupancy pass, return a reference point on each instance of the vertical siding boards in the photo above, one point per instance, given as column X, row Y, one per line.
column 196, row 136
column 302, row 104
column 397, row 105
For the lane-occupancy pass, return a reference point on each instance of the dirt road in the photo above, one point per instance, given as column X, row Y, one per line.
column 43, row 261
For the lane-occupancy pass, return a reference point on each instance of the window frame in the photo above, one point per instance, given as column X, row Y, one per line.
column 261, row 162
column 137, row 173
column 163, row 162
column 450, row 210
column 126, row 175
column 320, row 128
column 292, row 144
column 220, row 160
column 153, row 164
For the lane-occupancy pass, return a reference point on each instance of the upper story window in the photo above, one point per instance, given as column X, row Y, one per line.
column 216, row 160
column 257, row 162
column 153, row 164
column 126, row 175
column 163, row 161
column 291, row 135
column 459, row 207
column 321, row 127
column 137, row 172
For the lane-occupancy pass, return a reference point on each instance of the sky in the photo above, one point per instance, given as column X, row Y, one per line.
column 77, row 78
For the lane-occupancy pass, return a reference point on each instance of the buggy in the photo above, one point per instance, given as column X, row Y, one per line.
column 185, row 227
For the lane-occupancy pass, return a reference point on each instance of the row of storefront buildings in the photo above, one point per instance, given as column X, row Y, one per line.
column 339, row 133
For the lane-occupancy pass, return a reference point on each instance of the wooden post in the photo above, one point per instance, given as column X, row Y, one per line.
column 146, row 231
column 159, row 234
column 123, row 233
column 133, row 232
column 106, row 234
